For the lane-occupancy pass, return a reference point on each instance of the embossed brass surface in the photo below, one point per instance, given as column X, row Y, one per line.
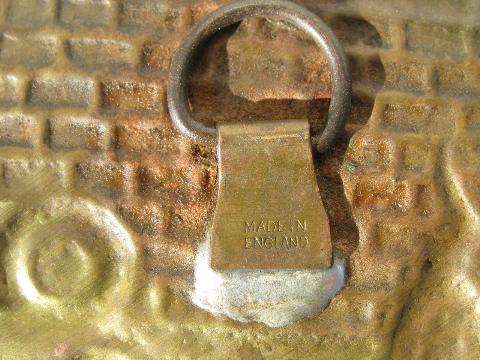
column 269, row 214
column 84, row 128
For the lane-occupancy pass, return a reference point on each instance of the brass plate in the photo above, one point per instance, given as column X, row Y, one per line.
column 269, row 213
column 81, row 96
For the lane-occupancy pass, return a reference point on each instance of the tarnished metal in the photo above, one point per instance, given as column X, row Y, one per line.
column 232, row 13
column 269, row 214
column 88, row 152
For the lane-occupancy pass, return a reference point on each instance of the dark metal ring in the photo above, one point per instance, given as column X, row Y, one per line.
column 235, row 12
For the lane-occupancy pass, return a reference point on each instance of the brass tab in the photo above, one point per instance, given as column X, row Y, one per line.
column 269, row 213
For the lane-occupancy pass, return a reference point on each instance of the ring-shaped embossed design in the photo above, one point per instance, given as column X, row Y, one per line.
column 233, row 13
column 70, row 256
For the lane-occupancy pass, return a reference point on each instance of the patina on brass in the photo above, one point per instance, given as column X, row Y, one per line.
column 265, row 217
column 410, row 177
column 269, row 213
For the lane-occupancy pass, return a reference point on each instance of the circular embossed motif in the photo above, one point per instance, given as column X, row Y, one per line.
column 69, row 254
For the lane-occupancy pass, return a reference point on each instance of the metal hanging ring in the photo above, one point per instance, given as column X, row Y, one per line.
column 177, row 93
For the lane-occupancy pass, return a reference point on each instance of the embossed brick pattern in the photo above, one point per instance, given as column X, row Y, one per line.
column 18, row 130
column 103, row 177
column 411, row 76
column 87, row 13
column 459, row 79
column 25, row 171
column 138, row 14
column 10, row 90
column 416, row 153
column 132, row 96
column 382, row 195
column 158, row 180
column 415, row 117
column 77, row 133
column 30, row 14
column 61, row 91
column 144, row 137
column 82, row 87
column 94, row 53
column 30, row 50
column 436, row 40
column 156, row 57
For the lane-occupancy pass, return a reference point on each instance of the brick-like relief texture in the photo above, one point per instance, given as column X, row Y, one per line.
column 33, row 51
column 83, row 112
column 87, row 14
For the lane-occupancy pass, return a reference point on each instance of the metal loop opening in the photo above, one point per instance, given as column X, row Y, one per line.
column 177, row 92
